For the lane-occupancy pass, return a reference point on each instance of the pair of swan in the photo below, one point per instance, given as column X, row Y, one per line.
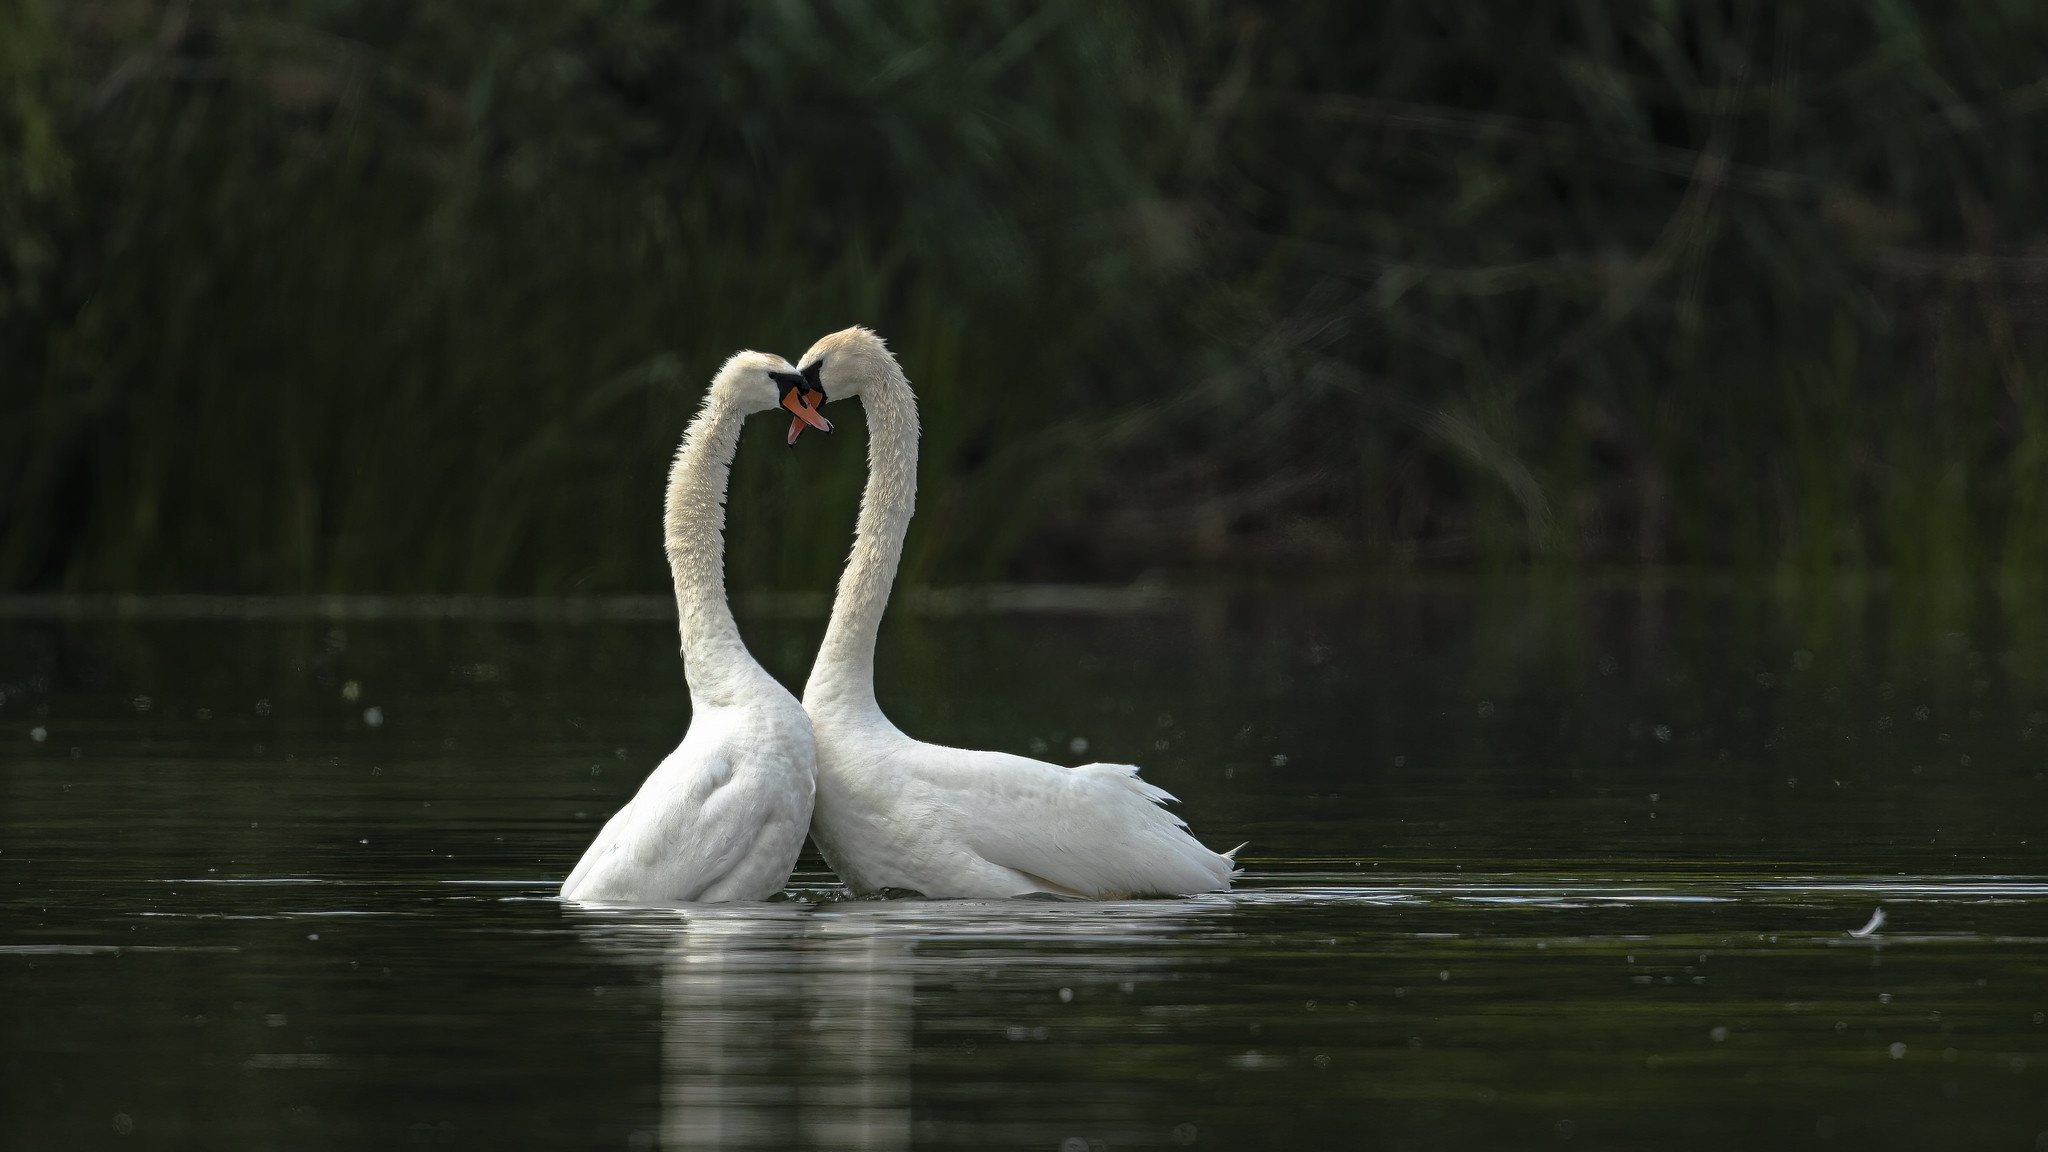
column 724, row 816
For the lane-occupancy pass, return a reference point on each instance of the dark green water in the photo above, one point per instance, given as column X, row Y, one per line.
column 1528, row 867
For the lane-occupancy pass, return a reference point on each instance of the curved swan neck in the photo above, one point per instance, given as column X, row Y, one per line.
column 715, row 661
column 844, row 675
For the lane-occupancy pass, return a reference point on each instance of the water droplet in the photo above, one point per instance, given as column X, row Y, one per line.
column 1280, row 761
column 1897, row 1050
column 351, row 691
column 263, row 707
column 1485, row 709
column 1884, row 997
column 39, row 733
column 1066, row 995
column 1662, row 732
column 123, row 1123
column 1444, row 975
column 1719, row 1033
column 1078, row 745
column 144, row 703
column 1184, row 1134
column 373, row 716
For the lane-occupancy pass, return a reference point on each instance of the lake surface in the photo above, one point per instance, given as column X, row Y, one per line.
column 1530, row 865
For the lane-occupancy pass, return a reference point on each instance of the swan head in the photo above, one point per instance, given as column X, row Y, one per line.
column 759, row 381
column 848, row 363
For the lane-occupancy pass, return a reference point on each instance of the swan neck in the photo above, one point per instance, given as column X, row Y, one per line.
column 844, row 677
column 715, row 661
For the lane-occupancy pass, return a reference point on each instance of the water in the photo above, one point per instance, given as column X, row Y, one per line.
column 1528, row 867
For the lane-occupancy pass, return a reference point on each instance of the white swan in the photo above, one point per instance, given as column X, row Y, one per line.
column 893, row 812
column 724, row 816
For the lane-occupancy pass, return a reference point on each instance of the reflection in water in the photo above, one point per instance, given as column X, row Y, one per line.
column 732, row 988
column 785, row 1025
column 857, row 1085
column 1561, row 871
column 1291, row 1011
column 779, row 1028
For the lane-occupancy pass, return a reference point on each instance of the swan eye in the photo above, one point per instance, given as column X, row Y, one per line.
column 808, row 379
column 802, row 396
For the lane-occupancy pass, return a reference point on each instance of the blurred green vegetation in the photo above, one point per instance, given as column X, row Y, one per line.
column 320, row 296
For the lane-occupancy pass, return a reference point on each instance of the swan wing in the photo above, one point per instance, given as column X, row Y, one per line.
column 1096, row 830
column 710, row 823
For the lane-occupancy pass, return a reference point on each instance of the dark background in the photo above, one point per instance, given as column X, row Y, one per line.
column 394, row 296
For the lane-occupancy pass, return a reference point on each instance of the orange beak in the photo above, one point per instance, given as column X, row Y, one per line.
column 804, row 406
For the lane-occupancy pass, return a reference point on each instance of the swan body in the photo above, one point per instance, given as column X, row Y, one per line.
column 724, row 815
column 894, row 812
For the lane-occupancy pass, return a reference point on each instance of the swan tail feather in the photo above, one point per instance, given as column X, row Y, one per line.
column 1152, row 792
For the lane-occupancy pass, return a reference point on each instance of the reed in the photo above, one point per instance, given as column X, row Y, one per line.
column 395, row 298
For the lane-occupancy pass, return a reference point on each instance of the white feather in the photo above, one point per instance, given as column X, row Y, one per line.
column 724, row 816
column 893, row 812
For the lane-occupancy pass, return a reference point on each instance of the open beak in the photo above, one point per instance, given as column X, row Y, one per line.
column 803, row 404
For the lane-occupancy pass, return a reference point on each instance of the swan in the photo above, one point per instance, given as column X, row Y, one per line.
column 724, row 816
column 893, row 812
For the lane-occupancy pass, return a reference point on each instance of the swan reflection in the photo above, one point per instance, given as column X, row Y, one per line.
column 857, row 1093
column 792, row 1026
column 732, row 992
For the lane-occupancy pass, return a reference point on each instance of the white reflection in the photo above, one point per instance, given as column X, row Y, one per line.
column 732, row 987
column 857, row 1091
column 780, row 1028
column 790, row 1026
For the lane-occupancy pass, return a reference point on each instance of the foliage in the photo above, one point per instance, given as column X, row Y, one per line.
column 1745, row 284
column 388, row 296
